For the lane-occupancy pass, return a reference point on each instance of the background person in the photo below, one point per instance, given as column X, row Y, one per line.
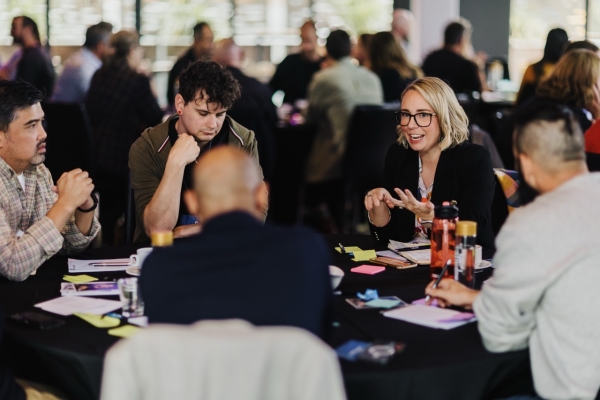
column 74, row 82
column 535, row 73
column 389, row 62
column 573, row 82
column 202, row 48
column 120, row 104
column 34, row 65
column 214, row 282
column 542, row 294
column 332, row 96
column 360, row 50
column 432, row 162
column 295, row 72
column 449, row 64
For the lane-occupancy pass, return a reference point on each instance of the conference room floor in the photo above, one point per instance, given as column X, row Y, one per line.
column 436, row 364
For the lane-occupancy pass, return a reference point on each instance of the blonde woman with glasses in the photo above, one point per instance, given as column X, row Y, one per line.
column 432, row 162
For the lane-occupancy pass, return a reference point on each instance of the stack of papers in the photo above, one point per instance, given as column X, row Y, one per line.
column 73, row 304
column 117, row 264
column 431, row 317
column 417, row 242
column 421, row 257
column 89, row 289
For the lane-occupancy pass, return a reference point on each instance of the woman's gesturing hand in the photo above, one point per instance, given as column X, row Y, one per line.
column 377, row 198
column 419, row 208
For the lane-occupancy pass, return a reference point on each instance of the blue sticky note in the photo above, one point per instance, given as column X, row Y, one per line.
column 382, row 303
column 351, row 349
column 370, row 294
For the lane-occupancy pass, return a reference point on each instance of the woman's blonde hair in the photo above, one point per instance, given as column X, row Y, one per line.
column 454, row 124
column 573, row 78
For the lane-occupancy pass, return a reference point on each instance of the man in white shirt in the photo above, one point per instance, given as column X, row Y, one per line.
column 79, row 69
column 543, row 294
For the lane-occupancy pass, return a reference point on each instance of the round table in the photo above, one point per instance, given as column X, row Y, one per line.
column 436, row 364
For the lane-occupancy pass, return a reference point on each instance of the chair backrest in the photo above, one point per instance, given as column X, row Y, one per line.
column 220, row 360
column 593, row 161
column 371, row 131
column 70, row 142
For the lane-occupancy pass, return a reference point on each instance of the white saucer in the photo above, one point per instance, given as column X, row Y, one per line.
column 134, row 270
column 483, row 264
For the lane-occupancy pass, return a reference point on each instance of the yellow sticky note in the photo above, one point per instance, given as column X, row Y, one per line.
column 349, row 249
column 79, row 278
column 364, row 255
column 98, row 320
column 124, row 331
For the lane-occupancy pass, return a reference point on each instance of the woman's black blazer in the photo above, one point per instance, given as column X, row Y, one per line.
column 464, row 173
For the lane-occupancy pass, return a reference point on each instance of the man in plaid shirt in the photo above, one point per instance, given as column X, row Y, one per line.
column 37, row 218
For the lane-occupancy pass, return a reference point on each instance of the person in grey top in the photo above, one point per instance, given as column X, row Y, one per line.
column 332, row 95
column 74, row 82
column 543, row 294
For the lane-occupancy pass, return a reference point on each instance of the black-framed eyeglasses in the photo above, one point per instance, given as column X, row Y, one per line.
column 422, row 119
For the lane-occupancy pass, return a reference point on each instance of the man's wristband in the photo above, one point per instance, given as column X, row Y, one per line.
column 92, row 208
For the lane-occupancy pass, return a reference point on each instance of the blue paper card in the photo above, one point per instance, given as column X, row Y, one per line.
column 351, row 349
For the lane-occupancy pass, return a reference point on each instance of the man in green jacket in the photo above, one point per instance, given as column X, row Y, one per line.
column 161, row 160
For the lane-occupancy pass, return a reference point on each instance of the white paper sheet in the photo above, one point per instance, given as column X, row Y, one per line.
column 72, row 304
column 118, row 264
column 416, row 242
column 432, row 317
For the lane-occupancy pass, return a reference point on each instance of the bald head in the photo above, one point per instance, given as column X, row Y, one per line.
column 402, row 21
column 226, row 179
column 228, row 53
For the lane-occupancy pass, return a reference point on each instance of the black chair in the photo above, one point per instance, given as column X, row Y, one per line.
column 70, row 142
column 371, row 131
column 130, row 219
column 593, row 161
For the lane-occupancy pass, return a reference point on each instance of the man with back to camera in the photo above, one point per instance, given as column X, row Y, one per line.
column 74, row 82
column 202, row 48
column 254, row 109
column 37, row 219
column 332, row 95
column 449, row 65
column 294, row 73
column 238, row 267
column 543, row 294
column 161, row 159
column 34, row 65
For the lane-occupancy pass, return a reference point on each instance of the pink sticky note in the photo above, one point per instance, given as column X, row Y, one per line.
column 368, row 269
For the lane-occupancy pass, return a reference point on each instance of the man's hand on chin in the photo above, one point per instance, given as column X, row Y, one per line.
column 186, row 230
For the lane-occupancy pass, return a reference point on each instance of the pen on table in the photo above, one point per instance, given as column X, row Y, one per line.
column 110, row 264
column 342, row 248
column 439, row 278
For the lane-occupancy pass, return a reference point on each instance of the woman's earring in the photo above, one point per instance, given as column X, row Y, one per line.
column 179, row 112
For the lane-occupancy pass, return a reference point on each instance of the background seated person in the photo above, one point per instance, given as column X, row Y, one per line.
column 161, row 160
column 432, row 162
column 543, row 294
column 37, row 219
column 237, row 267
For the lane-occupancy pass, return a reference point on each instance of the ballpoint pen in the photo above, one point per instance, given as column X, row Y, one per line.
column 439, row 278
column 342, row 248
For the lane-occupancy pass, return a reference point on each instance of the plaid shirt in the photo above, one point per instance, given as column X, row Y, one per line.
column 25, row 211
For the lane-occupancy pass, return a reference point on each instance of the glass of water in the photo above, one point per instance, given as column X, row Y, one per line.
column 130, row 294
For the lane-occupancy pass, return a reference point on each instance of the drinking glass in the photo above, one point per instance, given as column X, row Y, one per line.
column 130, row 294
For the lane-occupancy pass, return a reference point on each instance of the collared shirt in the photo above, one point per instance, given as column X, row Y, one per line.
column 25, row 211
column 75, row 79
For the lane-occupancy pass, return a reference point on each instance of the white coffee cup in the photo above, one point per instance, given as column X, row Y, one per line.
column 478, row 255
column 137, row 260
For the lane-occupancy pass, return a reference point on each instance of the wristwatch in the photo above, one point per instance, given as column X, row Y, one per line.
column 92, row 208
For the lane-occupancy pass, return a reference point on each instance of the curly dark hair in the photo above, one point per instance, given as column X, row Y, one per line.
column 207, row 79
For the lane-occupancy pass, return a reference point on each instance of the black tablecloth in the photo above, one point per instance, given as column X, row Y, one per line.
column 436, row 364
